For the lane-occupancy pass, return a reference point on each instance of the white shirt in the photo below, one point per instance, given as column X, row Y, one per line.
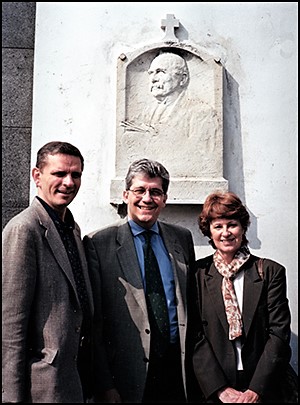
column 238, row 284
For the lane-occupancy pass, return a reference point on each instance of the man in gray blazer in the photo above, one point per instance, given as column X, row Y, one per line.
column 46, row 294
column 128, row 368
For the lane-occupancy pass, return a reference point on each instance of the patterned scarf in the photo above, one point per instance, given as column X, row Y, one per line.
column 228, row 271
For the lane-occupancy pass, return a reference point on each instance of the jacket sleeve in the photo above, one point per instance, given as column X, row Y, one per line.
column 103, row 380
column 277, row 352
column 208, row 371
column 18, row 288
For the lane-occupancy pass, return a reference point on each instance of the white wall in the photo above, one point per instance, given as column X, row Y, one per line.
column 76, row 51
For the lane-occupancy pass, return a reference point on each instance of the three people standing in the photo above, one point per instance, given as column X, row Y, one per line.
column 119, row 335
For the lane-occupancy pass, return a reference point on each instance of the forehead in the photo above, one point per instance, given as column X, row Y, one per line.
column 165, row 61
column 142, row 180
column 223, row 221
column 63, row 161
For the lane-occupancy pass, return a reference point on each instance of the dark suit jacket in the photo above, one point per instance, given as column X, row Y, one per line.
column 41, row 315
column 122, row 347
column 266, row 319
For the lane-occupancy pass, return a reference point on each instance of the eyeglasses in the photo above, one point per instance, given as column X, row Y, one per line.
column 154, row 192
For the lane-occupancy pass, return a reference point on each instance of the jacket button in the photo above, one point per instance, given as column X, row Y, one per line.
column 147, row 331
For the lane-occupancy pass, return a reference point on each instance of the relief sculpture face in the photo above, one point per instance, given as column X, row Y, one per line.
column 168, row 74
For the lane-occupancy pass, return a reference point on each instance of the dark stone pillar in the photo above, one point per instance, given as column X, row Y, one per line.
column 18, row 31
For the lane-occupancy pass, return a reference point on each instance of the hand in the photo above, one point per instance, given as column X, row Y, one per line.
column 112, row 397
column 249, row 397
column 108, row 397
column 229, row 395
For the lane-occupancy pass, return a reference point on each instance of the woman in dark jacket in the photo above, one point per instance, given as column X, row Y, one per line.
column 240, row 314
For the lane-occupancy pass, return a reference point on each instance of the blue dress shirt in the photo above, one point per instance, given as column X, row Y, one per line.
column 165, row 268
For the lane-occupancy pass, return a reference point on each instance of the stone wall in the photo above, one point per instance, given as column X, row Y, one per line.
column 18, row 30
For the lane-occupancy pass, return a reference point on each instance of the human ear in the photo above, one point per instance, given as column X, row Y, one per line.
column 36, row 176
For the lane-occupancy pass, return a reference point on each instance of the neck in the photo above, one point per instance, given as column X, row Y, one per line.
column 227, row 257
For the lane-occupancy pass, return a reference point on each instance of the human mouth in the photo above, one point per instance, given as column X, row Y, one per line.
column 143, row 208
column 157, row 87
column 227, row 240
column 65, row 192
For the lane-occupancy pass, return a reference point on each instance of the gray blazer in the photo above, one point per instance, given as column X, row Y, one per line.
column 122, row 349
column 41, row 315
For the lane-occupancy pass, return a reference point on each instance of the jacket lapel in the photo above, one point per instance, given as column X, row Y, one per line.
column 82, row 257
column 177, row 258
column 252, row 291
column 213, row 281
column 130, row 266
column 56, row 245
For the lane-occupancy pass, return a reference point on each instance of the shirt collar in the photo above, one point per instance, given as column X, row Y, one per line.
column 137, row 229
column 69, row 220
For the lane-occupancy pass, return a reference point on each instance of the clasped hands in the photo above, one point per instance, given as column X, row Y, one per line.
column 229, row 395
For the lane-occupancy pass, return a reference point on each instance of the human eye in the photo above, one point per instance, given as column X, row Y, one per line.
column 139, row 191
column 155, row 192
column 233, row 224
column 59, row 174
column 76, row 175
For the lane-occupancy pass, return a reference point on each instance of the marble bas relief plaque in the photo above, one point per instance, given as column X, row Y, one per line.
column 169, row 108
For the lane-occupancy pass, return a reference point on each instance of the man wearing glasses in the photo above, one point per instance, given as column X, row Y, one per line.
column 131, row 364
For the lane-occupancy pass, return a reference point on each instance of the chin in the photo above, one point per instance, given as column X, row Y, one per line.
column 146, row 218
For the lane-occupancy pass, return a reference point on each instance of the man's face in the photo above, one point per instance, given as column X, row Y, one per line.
column 163, row 77
column 145, row 209
column 59, row 180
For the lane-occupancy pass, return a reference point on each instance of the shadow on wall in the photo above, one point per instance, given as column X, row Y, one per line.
column 294, row 346
column 233, row 150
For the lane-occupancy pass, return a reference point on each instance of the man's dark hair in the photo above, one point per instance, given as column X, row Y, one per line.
column 54, row 148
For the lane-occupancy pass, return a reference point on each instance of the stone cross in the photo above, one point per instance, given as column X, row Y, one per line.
column 169, row 24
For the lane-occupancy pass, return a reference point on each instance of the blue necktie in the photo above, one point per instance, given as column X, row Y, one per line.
column 156, row 300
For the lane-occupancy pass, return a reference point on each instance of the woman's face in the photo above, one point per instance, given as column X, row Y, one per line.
column 227, row 235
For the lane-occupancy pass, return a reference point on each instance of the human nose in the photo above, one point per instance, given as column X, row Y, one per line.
column 68, row 180
column 154, row 79
column 147, row 195
column 225, row 230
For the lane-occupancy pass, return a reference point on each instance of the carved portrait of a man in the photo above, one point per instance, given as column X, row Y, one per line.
column 175, row 123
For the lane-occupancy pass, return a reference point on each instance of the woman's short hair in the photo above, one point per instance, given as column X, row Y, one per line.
column 223, row 205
